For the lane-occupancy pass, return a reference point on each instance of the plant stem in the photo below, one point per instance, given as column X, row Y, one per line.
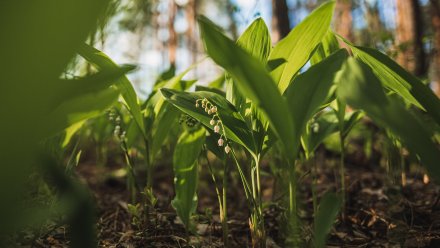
column 342, row 173
column 225, row 209
column 293, row 220
column 221, row 199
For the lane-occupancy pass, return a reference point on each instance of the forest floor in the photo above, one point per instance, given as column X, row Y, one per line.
column 377, row 213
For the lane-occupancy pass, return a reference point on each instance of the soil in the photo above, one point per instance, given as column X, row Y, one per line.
column 378, row 213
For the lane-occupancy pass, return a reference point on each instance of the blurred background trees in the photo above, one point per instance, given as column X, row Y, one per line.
column 157, row 35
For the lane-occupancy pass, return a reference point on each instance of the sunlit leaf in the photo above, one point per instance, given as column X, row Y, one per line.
column 235, row 127
column 310, row 90
column 398, row 80
column 361, row 89
column 292, row 52
column 252, row 79
column 185, row 163
column 329, row 207
column 103, row 62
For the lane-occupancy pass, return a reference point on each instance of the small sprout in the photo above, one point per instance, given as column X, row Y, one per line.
column 220, row 142
column 227, row 149
column 212, row 122
column 217, row 128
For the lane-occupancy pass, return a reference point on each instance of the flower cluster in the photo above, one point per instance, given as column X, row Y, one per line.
column 116, row 120
column 215, row 121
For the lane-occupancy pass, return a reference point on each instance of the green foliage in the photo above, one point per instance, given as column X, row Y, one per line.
column 103, row 62
column 325, row 217
column 292, row 52
column 185, row 165
column 360, row 88
column 398, row 80
column 235, row 126
column 310, row 91
column 252, row 79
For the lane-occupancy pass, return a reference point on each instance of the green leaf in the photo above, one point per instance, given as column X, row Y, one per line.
column 210, row 89
column 256, row 41
column 324, row 125
column 310, row 90
column 71, row 88
column 235, row 127
column 297, row 47
column 398, row 80
column 325, row 217
column 164, row 122
column 103, row 62
column 360, row 88
column 80, row 108
column 252, row 80
column 185, row 157
column 329, row 45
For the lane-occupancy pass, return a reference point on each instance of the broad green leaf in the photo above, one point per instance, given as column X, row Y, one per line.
column 235, row 127
column 80, row 108
column 324, row 125
column 292, row 52
column 329, row 207
column 252, row 80
column 329, row 45
column 310, row 90
column 213, row 90
column 256, row 40
column 360, row 88
column 103, row 62
column 70, row 131
column 71, row 88
column 164, row 122
column 185, row 157
column 397, row 79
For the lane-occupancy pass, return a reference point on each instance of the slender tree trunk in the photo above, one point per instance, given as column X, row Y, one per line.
column 409, row 37
column 280, row 20
column 435, row 18
column 191, row 32
column 172, row 42
column 343, row 21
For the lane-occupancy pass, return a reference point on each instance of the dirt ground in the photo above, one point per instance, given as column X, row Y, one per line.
column 377, row 214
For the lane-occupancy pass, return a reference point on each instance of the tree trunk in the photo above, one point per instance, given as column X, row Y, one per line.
column 280, row 20
column 190, row 33
column 343, row 21
column 435, row 18
column 409, row 37
column 172, row 42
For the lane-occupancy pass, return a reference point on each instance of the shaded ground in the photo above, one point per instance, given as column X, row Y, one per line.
column 378, row 213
